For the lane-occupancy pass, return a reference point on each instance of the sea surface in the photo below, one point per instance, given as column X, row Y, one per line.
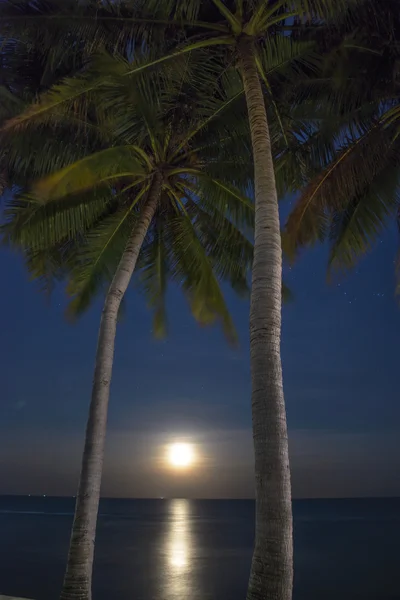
column 201, row 549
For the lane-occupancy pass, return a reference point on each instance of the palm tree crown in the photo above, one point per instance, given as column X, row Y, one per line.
column 353, row 177
column 97, row 163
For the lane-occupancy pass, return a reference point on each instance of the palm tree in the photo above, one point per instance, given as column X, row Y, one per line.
column 139, row 185
column 252, row 36
column 353, row 166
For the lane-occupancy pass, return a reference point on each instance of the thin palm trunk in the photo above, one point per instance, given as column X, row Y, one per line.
column 78, row 575
column 271, row 574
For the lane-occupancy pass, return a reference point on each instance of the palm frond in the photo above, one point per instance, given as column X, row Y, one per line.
column 96, row 258
column 48, row 267
column 323, row 10
column 32, row 224
column 33, row 156
column 355, row 166
column 288, row 58
column 101, row 167
column 229, row 249
column 9, row 103
column 193, row 270
column 61, row 96
column 220, row 199
column 153, row 276
column 355, row 230
column 234, row 23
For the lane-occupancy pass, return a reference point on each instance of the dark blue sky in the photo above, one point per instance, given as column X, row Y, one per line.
column 340, row 358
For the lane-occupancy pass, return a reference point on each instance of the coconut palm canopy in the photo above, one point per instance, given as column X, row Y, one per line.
column 94, row 144
column 64, row 34
column 52, row 24
column 354, row 160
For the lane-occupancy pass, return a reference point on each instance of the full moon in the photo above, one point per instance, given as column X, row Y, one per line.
column 180, row 455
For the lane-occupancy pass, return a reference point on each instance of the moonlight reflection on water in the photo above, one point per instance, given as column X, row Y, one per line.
column 179, row 569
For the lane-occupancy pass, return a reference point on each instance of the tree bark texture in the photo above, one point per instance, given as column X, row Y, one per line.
column 271, row 576
column 78, row 575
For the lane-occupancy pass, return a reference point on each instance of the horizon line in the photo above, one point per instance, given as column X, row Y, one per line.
column 380, row 497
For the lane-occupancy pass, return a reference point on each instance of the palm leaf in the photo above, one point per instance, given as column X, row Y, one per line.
column 222, row 200
column 39, row 226
column 47, row 110
column 228, row 248
column 97, row 257
column 355, row 166
column 192, row 269
column 99, row 168
column 153, row 274
column 355, row 230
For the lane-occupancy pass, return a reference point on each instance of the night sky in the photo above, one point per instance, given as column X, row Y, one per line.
column 341, row 367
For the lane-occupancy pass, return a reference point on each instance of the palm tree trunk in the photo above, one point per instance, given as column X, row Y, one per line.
column 78, row 575
column 271, row 576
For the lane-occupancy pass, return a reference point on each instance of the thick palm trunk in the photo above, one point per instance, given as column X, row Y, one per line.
column 78, row 575
column 272, row 565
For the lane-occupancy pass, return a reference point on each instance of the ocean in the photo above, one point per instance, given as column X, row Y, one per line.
column 200, row 549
